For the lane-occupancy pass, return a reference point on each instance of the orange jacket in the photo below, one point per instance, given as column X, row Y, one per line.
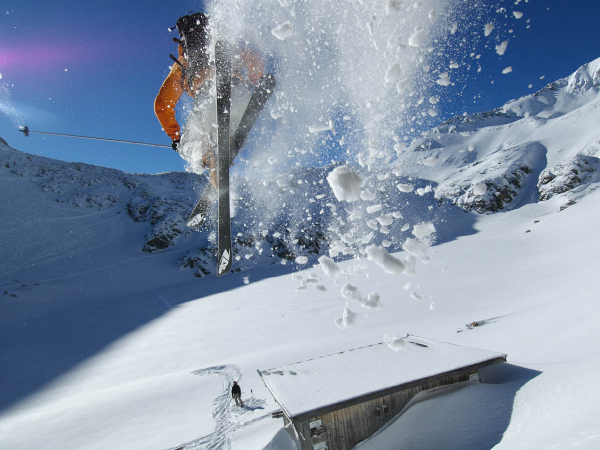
column 174, row 85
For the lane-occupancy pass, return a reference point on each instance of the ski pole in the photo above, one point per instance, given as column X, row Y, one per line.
column 25, row 130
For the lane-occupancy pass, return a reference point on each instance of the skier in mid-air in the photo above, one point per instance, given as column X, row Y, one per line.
column 192, row 72
column 219, row 125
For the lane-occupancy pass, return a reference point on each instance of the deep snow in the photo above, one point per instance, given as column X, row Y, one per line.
column 151, row 385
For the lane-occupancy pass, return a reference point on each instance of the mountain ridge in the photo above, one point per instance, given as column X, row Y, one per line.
column 546, row 141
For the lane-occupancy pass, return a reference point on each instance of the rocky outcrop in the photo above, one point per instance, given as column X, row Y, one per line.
column 564, row 176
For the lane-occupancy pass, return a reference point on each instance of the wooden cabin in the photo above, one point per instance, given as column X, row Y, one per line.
column 336, row 401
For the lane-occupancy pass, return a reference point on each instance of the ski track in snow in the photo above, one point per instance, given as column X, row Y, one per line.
column 228, row 417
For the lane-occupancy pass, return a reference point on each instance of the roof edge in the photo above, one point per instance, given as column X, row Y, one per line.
column 283, row 408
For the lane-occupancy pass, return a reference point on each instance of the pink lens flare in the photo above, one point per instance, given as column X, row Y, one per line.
column 47, row 55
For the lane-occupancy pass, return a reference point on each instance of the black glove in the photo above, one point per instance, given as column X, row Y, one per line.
column 175, row 144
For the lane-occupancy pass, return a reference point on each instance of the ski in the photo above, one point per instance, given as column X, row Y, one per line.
column 200, row 211
column 260, row 96
column 223, row 65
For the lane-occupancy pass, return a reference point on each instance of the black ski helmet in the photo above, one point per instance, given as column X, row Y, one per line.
column 194, row 38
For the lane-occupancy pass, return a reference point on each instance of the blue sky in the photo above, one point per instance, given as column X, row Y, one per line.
column 94, row 68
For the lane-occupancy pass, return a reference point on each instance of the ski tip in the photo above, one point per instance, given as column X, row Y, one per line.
column 195, row 222
column 224, row 263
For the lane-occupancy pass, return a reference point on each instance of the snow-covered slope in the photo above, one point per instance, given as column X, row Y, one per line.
column 165, row 382
column 110, row 341
column 274, row 221
column 529, row 150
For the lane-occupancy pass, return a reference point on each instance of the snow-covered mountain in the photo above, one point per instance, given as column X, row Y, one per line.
column 274, row 222
column 529, row 150
column 110, row 339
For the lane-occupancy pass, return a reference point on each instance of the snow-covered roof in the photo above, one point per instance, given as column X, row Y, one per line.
column 317, row 383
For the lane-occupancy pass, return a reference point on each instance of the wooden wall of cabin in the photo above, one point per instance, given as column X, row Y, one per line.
column 347, row 427
column 302, row 427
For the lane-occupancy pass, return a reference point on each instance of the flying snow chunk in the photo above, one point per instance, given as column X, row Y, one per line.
column 434, row 100
column 402, row 85
column 385, row 219
column 487, row 30
column 507, row 70
column 416, row 296
column 432, row 15
column 406, row 188
column 383, row 259
column 374, row 208
column 329, row 266
column 415, row 247
column 416, row 40
column 479, row 189
column 423, row 230
column 394, row 342
column 345, row 184
column 410, row 262
column 454, row 28
column 367, row 238
column 355, row 215
column 349, row 317
column 393, row 73
column 351, row 292
column 301, row 260
column 367, row 195
column 373, row 301
column 501, row 49
column 246, row 280
column 283, row 31
column 320, row 128
column 392, row 7
column 444, row 79
column 517, row 14
column 373, row 224
column 431, row 161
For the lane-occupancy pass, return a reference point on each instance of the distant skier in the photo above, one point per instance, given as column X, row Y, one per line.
column 192, row 72
column 236, row 393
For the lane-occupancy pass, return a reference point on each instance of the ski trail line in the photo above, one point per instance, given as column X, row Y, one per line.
column 227, row 416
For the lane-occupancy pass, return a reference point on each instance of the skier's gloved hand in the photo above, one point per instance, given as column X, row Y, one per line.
column 175, row 144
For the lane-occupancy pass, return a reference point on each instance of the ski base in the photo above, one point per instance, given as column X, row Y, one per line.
column 223, row 64
column 259, row 98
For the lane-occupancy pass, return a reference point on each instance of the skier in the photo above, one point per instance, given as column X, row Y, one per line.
column 236, row 393
column 192, row 73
